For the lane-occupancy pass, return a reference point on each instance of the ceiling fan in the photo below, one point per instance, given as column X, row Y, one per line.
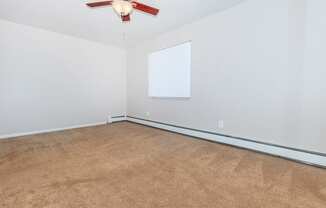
column 125, row 7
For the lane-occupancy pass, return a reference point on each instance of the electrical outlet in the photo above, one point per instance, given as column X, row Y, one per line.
column 220, row 124
column 147, row 114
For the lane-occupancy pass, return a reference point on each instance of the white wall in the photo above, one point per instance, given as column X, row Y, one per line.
column 257, row 66
column 49, row 80
column 313, row 95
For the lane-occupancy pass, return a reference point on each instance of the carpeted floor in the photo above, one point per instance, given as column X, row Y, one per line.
column 127, row 165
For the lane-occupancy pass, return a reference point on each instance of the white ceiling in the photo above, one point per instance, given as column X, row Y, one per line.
column 72, row 17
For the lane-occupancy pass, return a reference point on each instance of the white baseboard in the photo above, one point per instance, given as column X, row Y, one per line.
column 117, row 119
column 306, row 157
column 8, row 136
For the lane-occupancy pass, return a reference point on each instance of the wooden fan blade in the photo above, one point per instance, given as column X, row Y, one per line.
column 145, row 8
column 126, row 18
column 99, row 4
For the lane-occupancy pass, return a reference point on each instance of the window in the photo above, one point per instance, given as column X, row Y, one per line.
column 170, row 72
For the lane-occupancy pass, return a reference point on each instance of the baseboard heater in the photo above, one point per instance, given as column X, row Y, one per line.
column 302, row 156
column 117, row 118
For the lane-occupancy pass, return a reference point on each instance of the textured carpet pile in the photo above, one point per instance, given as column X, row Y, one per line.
column 127, row 165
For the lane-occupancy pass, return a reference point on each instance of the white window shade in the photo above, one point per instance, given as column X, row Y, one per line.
column 170, row 72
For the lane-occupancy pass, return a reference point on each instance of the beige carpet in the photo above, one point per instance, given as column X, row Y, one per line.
column 127, row 165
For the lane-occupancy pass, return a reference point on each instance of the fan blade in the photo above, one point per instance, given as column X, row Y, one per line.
column 126, row 18
column 100, row 3
column 145, row 8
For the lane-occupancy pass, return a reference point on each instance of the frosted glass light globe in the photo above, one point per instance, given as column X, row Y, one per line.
column 121, row 7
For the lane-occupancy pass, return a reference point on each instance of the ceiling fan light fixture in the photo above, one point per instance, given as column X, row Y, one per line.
column 125, row 7
column 122, row 8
